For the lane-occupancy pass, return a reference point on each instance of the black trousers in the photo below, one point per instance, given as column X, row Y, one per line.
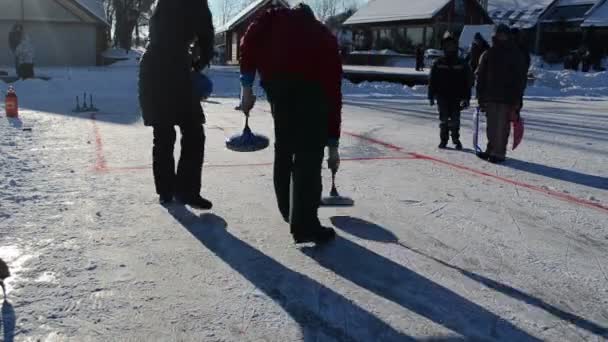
column 300, row 117
column 25, row 71
column 187, row 181
column 419, row 64
column 298, row 187
column 449, row 117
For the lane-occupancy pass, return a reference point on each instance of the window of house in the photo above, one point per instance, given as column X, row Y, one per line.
column 416, row 35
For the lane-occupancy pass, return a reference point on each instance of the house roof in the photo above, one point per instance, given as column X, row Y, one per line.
column 570, row 12
column 246, row 13
column 518, row 13
column 94, row 8
column 517, row 5
column 598, row 15
column 396, row 10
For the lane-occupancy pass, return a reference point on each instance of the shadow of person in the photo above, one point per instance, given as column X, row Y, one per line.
column 574, row 177
column 364, row 229
column 414, row 292
column 7, row 322
column 318, row 310
column 371, row 231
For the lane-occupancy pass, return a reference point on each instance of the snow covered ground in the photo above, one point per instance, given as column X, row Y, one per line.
column 439, row 247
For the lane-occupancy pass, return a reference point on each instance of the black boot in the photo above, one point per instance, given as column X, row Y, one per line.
column 318, row 236
column 195, row 202
column 496, row 160
column 443, row 144
column 165, row 199
column 458, row 144
column 483, row 155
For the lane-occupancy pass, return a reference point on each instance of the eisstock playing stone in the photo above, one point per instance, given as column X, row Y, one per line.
column 247, row 141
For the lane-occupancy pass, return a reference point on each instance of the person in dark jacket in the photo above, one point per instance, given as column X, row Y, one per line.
column 450, row 84
column 500, row 87
column 478, row 47
column 167, row 98
column 419, row 58
column 14, row 39
column 299, row 64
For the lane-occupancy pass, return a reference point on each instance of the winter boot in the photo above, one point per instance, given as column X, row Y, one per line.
column 195, row 202
column 496, row 160
column 458, row 144
column 483, row 155
column 165, row 199
column 443, row 144
column 318, row 236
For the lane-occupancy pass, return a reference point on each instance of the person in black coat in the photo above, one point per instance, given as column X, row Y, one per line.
column 501, row 83
column 478, row 47
column 14, row 39
column 167, row 97
column 450, row 84
column 419, row 58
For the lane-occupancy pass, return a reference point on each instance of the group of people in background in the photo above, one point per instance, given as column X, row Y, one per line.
column 22, row 49
column 500, row 74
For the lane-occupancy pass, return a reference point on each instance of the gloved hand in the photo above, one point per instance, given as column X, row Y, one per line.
column 333, row 161
column 247, row 99
column 432, row 102
column 464, row 104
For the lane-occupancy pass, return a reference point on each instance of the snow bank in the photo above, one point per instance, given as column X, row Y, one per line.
column 552, row 83
column 382, row 89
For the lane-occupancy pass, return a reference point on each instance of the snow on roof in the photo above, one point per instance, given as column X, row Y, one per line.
column 246, row 12
column 95, row 8
column 575, row 2
column 598, row 15
column 518, row 13
column 394, row 10
column 517, row 5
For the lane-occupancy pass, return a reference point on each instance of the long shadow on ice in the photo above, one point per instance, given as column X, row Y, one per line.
column 317, row 309
column 7, row 322
column 370, row 231
column 575, row 177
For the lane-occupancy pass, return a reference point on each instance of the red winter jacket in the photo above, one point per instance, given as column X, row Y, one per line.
column 288, row 42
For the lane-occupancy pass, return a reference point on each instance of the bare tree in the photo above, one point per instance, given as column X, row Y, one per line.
column 125, row 17
column 325, row 9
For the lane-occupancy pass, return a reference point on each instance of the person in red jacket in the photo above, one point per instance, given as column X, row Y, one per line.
column 299, row 64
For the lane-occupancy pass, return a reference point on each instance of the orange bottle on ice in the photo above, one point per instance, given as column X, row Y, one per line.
column 11, row 104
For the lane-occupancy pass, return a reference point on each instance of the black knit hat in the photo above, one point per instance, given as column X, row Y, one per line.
column 502, row 28
column 305, row 9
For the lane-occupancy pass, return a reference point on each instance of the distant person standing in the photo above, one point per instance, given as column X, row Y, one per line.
column 500, row 88
column 419, row 58
column 478, row 47
column 14, row 39
column 25, row 58
column 450, row 84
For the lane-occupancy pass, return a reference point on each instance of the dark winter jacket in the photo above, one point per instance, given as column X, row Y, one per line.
column 14, row 38
column 165, row 89
column 450, row 79
column 477, row 49
column 501, row 74
column 290, row 44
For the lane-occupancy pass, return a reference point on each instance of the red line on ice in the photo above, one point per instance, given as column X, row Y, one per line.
column 100, row 160
column 146, row 167
column 551, row 193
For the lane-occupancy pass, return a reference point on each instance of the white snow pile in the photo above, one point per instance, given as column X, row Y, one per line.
column 377, row 52
column 553, row 83
column 382, row 89
column 123, row 57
